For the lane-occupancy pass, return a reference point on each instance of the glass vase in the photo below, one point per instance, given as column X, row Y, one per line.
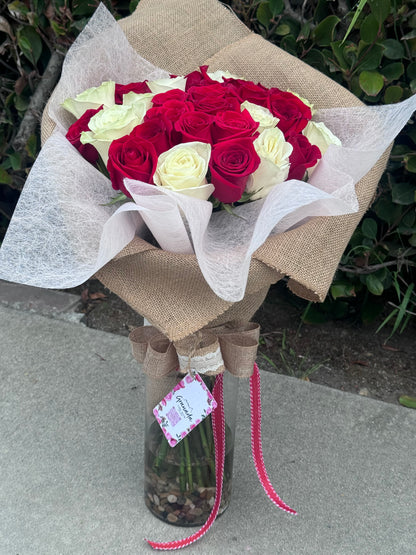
column 180, row 481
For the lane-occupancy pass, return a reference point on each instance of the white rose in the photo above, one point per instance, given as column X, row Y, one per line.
column 92, row 98
column 164, row 85
column 140, row 102
column 220, row 75
column 318, row 134
column 274, row 167
column 107, row 125
column 260, row 114
column 183, row 169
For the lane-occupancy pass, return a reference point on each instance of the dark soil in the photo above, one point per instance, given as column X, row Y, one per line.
column 339, row 354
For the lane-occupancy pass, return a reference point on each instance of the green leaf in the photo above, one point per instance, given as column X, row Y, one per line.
column 133, row 5
column 403, row 193
column 374, row 285
column 411, row 132
column 370, row 56
column 32, row 146
column 369, row 228
column 321, row 10
column 411, row 71
column 282, row 30
column 323, row 34
column 315, row 59
column 289, row 44
column 403, row 307
column 369, row 29
column 304, row 32
column 380, row 9
column 412, row 240
column 392, row 71
column 5, row 178
column 338, row 51
column 264, row 14
column 354, row 19
column 57, row 29
column 410, row 163
column 409, row 36
column 407, row 401
column 21, row 103
column 371, row 82
column 393, row 49
column 276, row 7
column 18, row 9
column 412, row 85
column 342, row 290
column 393, row 94
column 15, row 160
column 30, row 43
column 387, row 211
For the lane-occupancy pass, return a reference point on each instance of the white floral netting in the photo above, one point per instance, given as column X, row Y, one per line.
column 62, row 232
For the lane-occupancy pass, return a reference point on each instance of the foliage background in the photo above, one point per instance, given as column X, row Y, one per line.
column 369, row 47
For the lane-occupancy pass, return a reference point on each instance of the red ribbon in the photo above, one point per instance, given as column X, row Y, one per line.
column 218, row 426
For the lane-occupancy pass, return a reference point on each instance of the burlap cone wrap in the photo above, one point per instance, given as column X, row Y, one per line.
column 169, row 289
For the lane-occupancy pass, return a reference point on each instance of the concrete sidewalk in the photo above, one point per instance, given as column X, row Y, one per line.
column 71, row 457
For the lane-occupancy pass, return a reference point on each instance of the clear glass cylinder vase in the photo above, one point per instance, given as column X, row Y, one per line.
column 180, row 481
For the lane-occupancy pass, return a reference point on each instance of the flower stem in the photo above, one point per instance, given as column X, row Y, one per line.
column 188, row 463
column 182, row 477
column 163, row 449
column 207, row 450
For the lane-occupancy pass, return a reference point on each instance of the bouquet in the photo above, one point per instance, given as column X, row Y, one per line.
column 212, row 136
column 210, row 267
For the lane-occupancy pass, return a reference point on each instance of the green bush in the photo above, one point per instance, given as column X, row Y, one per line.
column 370, row 48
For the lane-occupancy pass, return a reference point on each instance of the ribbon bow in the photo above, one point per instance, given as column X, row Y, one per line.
column 232, row 346
column 210, row 351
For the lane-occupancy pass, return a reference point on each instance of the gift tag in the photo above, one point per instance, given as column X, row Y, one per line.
column 184, row 408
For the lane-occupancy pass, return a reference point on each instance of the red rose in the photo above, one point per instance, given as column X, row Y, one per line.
column 198, row 78
column 138, row 88
column 231, row 125
column 173, row 94
column 194, row 126
column 131, row 157
column 170, row 112
column 231, row 164
column 89, row 152
column 247, row 90
column 304, row 155
column 213, row 98
column 291, row 111
column 156, row 131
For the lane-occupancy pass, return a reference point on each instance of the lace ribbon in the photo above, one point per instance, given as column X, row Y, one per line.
column 218, row 425
column 232, row 346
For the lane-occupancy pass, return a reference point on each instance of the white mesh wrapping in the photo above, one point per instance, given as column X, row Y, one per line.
column 61, row 232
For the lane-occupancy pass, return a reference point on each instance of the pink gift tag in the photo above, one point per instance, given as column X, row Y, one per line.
column 183, row 408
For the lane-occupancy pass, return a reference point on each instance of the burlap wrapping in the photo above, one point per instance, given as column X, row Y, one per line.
column 169, row 289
